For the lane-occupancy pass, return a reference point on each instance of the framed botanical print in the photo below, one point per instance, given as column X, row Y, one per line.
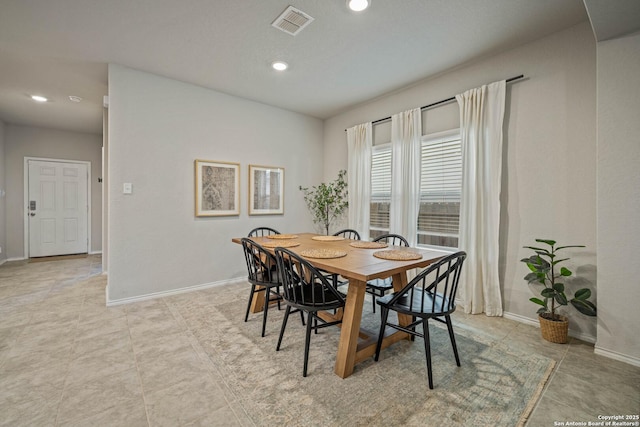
column 266, row 190
column 217, row 188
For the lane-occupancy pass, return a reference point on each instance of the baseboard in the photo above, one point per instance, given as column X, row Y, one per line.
column 2, row 261
column 521, row 319
column 617, row 356
column 534, row 322
column 169, row 293
column 16, row 259
column 95, row 252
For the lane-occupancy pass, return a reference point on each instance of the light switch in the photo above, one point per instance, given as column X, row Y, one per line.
column 127, row 188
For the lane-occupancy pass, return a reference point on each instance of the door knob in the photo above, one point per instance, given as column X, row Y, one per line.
column 32, row 213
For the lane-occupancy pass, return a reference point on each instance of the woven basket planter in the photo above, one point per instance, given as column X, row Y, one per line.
column 556, row 331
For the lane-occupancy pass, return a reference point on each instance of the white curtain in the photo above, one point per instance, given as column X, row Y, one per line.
column 481, row 117
column 359, row 142
column 406, row 134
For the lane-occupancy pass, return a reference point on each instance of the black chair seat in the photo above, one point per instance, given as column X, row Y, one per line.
column 418, row 304
column 316, row 296
column 381, row 285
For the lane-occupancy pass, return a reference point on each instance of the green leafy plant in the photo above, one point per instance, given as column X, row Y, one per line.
column 327, row 202
column 544, row 270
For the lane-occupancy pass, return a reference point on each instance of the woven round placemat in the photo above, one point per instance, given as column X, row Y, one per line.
column 327, row 238
column 322, row 253
column 368, row 245
column 282, row 236
column 283, row 244
column 397, row 255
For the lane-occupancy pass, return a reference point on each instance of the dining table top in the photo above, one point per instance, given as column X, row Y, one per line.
column 358, row 263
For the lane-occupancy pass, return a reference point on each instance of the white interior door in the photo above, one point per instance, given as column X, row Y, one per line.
column 57, row 208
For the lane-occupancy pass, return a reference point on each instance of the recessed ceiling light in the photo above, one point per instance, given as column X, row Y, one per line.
column 358, row 5
column 39, row 98
column 74, row 98
column 280, row 65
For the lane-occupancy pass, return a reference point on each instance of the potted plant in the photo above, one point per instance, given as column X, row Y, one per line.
column 545, row 269
column 327, row 202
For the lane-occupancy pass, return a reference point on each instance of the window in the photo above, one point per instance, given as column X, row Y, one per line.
column 440, row 186
column 380, row 190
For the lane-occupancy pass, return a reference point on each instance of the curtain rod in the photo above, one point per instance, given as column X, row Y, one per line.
column 444, row 101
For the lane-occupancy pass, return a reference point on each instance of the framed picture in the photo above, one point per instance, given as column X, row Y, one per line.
column 217, row 188
column 266, row 190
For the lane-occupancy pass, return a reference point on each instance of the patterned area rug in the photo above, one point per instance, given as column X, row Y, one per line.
column 495, row 386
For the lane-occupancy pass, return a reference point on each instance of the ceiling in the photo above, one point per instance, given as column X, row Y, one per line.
column 59, row 48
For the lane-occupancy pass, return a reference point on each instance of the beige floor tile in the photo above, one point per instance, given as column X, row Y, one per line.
column 591, row 398
column 183, row 403
column 28, row 413
column 105, row 362
column 44, row 384
column 92, row 312
column 14, row 316
column 148, row 329
column 551, row 413
column 223, row 417
column 132, row 414
column 103, row 343
column 23, row 360
column 97, row 327
column 90, row 398
column 160, row 345
column 158, row 371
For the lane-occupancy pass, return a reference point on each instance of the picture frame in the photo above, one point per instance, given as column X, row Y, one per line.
column 266, row 190
column 217, row 188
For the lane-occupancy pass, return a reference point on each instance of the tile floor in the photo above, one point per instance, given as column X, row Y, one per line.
column 67, row 360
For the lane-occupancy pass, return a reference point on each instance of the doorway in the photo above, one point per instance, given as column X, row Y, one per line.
column 57, row 207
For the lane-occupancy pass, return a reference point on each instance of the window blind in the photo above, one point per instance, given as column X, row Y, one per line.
column 380, row 187
column 381, row 175
column 441, row 171
column 440, row 186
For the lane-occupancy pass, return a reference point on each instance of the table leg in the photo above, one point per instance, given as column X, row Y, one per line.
column 258, row 301
column 400, row 281
column 350, row 329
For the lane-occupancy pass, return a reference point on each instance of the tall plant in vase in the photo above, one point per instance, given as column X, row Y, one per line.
column 327, row 202
column 545, row 270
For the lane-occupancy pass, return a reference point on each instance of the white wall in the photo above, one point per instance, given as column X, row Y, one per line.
column 157, row 128
column 549, row 168
column 3, row 188
column 25, row 141
column 619, row 197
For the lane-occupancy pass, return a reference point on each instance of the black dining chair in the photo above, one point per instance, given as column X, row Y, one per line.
column 347, row 233
column 263, row 275
column 379, row 287
column 430, row 295
column 305, row 289
column 262, row 231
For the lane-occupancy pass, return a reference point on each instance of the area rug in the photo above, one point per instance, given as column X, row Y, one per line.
column 495, row 386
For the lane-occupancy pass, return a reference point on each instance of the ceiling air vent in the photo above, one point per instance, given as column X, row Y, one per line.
column 292, row 21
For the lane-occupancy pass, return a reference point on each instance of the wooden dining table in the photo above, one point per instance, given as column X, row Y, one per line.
column 358, row 266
